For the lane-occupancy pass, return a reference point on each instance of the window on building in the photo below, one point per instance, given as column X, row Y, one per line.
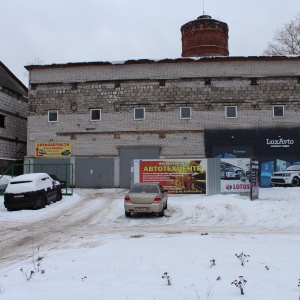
column 230, row 111
column 185, row 112
column 52, row 116
column 95, row 114
column 2, row 121
column 278, row 111
column 139, row 113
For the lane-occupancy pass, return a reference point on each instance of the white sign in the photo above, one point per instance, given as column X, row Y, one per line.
column 235, row 175
column 280, row 143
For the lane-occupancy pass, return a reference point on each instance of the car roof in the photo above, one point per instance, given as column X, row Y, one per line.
column 29, row 177
column 293, row 167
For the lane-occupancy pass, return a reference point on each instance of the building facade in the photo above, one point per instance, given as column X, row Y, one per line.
column 183, row 108
column 13, row 118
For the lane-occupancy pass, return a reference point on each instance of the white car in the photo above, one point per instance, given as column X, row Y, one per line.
column 289, row 177
column 35, row 190
column 146, row 197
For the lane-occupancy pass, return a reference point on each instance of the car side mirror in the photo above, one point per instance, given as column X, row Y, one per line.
column 165, row 191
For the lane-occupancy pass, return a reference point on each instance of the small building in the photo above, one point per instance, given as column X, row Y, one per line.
column 13, row 119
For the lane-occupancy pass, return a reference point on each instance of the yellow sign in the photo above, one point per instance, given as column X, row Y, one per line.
column 52, row 149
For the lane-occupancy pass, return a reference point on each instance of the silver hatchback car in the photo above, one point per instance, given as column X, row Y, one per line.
column 146, row 197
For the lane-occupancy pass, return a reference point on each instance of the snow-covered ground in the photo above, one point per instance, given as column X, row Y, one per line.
column 88, row 249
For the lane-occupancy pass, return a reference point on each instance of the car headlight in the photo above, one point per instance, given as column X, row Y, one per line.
column 287, row 175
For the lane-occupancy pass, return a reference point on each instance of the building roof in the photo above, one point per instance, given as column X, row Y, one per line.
column 254, row 66
column 9, row 81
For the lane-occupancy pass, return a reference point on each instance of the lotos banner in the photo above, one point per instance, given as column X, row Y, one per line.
column 235, row 175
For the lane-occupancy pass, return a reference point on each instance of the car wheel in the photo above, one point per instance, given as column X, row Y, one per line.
column 162, row 213
column 295, row 181
column 59, row 195
column 127, row 214
column 166, row 207
column 40, row 201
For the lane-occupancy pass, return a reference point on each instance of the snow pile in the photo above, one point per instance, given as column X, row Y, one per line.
column 134, row 254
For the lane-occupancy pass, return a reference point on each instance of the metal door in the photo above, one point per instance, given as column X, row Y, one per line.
column 127, row 154
column 94, row 172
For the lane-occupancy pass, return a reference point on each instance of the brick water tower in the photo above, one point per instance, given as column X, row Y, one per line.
column 204, row 37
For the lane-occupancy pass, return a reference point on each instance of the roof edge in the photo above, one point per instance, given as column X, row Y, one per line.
column 14, row 76
column 166, row 60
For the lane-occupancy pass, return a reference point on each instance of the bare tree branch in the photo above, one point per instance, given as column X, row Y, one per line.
column 287, row 40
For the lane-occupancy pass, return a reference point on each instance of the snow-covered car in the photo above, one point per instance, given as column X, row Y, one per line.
column 229, row 171
column 35, row 190
column 146, row 197
column 289, row 177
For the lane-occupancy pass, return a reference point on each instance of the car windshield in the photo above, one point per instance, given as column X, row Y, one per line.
column 144, row 189
column 293, row 168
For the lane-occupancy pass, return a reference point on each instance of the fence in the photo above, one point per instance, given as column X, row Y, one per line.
column 64, row 173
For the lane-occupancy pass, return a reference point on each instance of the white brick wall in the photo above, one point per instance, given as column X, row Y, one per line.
column 277, row 83
column 15, row 112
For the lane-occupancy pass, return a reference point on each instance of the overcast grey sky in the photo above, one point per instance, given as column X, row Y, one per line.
column 62, row 31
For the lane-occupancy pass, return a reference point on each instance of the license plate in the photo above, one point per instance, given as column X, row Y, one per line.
column 141, row 209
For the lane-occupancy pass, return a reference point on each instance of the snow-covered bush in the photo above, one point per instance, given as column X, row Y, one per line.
column 240, row 283
column 168, row 278
column 243, row 258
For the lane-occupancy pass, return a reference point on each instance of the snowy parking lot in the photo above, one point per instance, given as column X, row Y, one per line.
column 88, row 248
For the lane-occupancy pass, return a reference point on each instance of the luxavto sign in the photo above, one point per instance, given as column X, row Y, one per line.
column 280, row 142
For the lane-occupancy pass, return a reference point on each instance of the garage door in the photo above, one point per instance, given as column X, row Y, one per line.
column 94, row 172
column 127, row 154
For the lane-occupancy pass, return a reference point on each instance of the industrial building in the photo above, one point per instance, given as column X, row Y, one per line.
column 98, row 116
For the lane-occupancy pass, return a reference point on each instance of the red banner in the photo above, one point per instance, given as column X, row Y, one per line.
column 181, row 176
